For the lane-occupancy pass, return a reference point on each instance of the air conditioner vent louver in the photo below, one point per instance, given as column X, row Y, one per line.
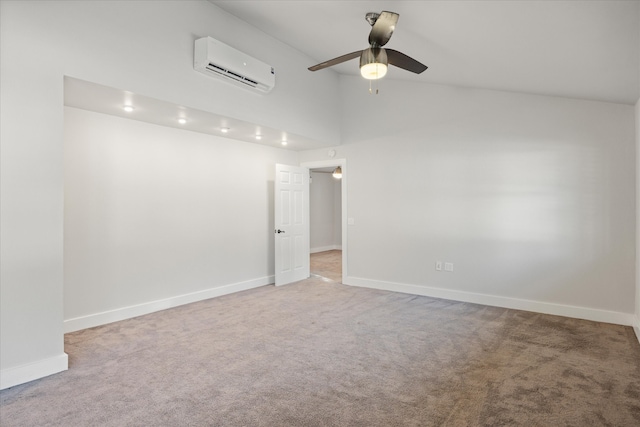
column 215, row 58
column 230, row 74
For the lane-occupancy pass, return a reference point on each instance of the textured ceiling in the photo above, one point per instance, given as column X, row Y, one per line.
column 576, row 49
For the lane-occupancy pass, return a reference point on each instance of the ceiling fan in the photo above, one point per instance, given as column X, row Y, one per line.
column 375, row 58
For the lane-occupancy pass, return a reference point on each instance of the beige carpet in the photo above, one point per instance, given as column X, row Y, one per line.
column 318, row 353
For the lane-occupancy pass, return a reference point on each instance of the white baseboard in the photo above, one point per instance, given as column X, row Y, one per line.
column 102, row 318
column 585, row 313
column 326, row 248
column 32, row 371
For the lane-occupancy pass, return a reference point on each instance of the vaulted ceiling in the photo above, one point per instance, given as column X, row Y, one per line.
column 578, row 49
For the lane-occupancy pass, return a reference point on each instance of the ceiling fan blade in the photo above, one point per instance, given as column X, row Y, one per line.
column 383, row 28
column 405, row 62
column 336, row 61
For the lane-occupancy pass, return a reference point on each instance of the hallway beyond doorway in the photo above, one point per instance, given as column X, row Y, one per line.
column 327, row 264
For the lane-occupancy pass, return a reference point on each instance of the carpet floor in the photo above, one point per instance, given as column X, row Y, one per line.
column 319, row 353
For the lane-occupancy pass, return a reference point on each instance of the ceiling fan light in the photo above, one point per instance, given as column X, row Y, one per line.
column 373, row 71
column 373, row 63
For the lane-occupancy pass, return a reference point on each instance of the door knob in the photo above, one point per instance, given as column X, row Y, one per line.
column 279, row 231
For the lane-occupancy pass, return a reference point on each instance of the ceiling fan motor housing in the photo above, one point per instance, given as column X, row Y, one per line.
column 371, row 17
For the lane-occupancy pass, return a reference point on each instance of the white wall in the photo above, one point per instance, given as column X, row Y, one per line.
column 531, row 197
column 141, row 46
column 637, row 324
column 637, row 320
column 325, row 207
column 160, row 214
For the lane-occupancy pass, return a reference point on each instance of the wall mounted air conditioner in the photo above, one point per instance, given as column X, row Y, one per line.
column 214, row 58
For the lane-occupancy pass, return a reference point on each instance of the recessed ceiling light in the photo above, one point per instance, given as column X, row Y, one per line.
column 258, row 136
column 224, row 130
column 284, row 143
column 128, row 108
column 182, row 121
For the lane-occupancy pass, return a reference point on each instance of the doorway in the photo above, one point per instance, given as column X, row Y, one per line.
column 327, row 220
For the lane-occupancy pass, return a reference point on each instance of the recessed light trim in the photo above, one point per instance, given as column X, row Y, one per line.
column 224, row 130
column 182, row 120
column 128, row 108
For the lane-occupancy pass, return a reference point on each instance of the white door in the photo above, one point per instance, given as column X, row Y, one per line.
column 291, row 223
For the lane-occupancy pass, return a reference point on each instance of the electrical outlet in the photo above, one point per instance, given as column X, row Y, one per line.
column 448, row 266
column 439, row 265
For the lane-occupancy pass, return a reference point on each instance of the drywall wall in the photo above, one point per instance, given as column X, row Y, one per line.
column 325, row 212
column 530, row 197
column 160, row 214
column 140, row 46
column 637, row 324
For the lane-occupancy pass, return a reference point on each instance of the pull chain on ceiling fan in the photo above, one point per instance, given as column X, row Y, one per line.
column 375, row 59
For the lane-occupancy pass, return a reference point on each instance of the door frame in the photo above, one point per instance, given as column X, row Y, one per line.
column 343, row 197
